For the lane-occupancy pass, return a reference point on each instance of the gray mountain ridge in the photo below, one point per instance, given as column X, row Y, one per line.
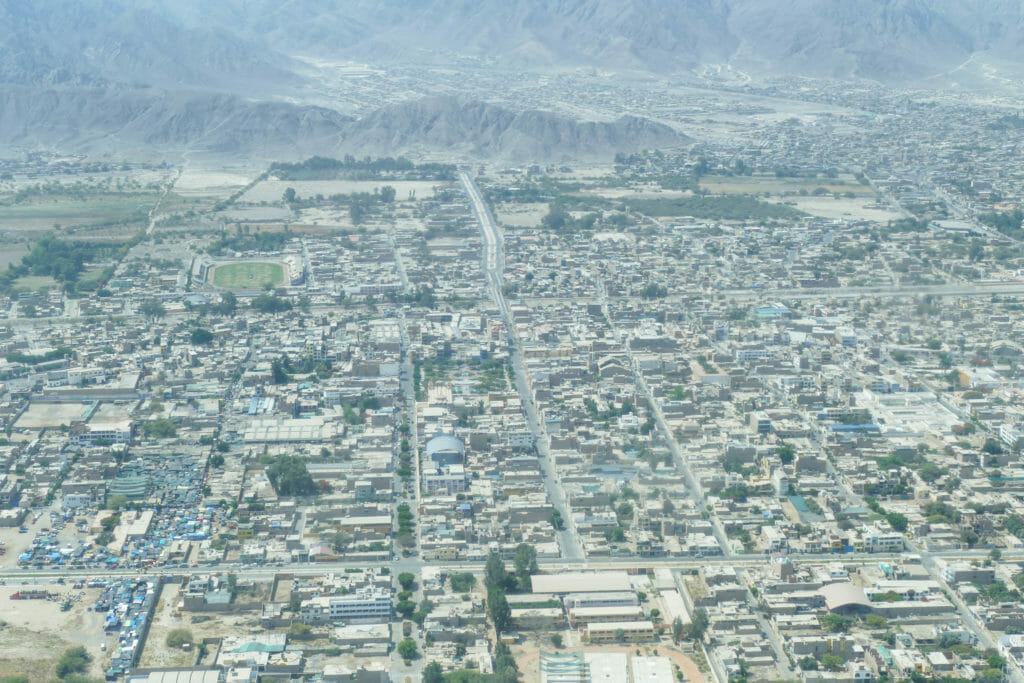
column 891, row 40
column 227, row 77
column 156, row 122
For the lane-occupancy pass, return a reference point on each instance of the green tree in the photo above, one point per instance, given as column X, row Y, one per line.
column 556, row 520
column 897, row 521
column 116, row 502
column 200, row 336
column 269, row 303
column 152, row 309
column 832, row 662
column 278, row 375
column 405, row 608
column 289, row 195
column 300, row 631
column 387, row 194
column 357, row 212
column 786, row 453
column 433, row 673
column 699, row 624
column 876, row 622
column 498, row 609
column 159, row 429
column 74, row 661
column 406, row 580
column 216, row 460
column 525, row 560
column 462, row 582
column 556, row 640
column 992, row 447
column 624, row 512
column 227, row 305
column 836, row 623
column 808, row 664
column 930, row 472
column 289, row 476
column 677, row 629
column 407, row 649
column 340, row 541
column 494, row 570
column 178, row 637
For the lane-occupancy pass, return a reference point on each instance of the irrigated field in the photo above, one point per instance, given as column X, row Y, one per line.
column 248, row 275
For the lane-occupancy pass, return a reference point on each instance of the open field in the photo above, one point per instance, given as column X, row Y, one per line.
column 204, row 183
column 248, row 275
column 37, row 632
column 843, row 209
column 35, row 283
column 272, row 190
column 40, row 415
column 168, row 617
column 11, row 253
column 43, row 216
column 760, row 184
column 521, row 215
column 258, row 213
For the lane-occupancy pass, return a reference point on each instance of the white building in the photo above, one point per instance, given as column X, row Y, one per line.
column 367, row 605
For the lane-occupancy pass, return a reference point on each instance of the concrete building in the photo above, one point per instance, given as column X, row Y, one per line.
column 367, row 605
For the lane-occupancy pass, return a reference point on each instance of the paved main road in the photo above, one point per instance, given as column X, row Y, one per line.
column 547, row 565
column 493, row 264
column 692, row 483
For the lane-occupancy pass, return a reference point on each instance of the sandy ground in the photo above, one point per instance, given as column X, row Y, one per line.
column 168, row 617
column 259, row 213
column 51, row 415
column 755, row 185
column 203, row 183
column 521, row 215
column 851, row 209
column 156, row 653
column 29, row 640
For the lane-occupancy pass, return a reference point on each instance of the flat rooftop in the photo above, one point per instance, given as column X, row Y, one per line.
column 582, row 582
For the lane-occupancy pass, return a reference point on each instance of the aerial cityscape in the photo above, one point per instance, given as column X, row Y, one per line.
column 711, row 372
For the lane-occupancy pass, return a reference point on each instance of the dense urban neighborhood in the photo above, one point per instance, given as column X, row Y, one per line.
column 745, row 410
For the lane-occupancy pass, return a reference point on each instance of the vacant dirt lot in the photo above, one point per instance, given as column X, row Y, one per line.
column 37, row 632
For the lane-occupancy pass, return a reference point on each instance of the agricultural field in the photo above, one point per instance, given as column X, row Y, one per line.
column 782, row 186
column 35, row 283
column 248, row 275
column 11, row 253
column 44, row 216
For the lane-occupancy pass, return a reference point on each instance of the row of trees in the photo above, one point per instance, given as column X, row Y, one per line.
column 367, row 168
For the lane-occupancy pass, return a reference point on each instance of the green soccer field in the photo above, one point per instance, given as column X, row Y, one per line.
column 247, row 275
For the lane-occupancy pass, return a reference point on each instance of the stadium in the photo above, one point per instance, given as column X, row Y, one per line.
column 251, row 274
